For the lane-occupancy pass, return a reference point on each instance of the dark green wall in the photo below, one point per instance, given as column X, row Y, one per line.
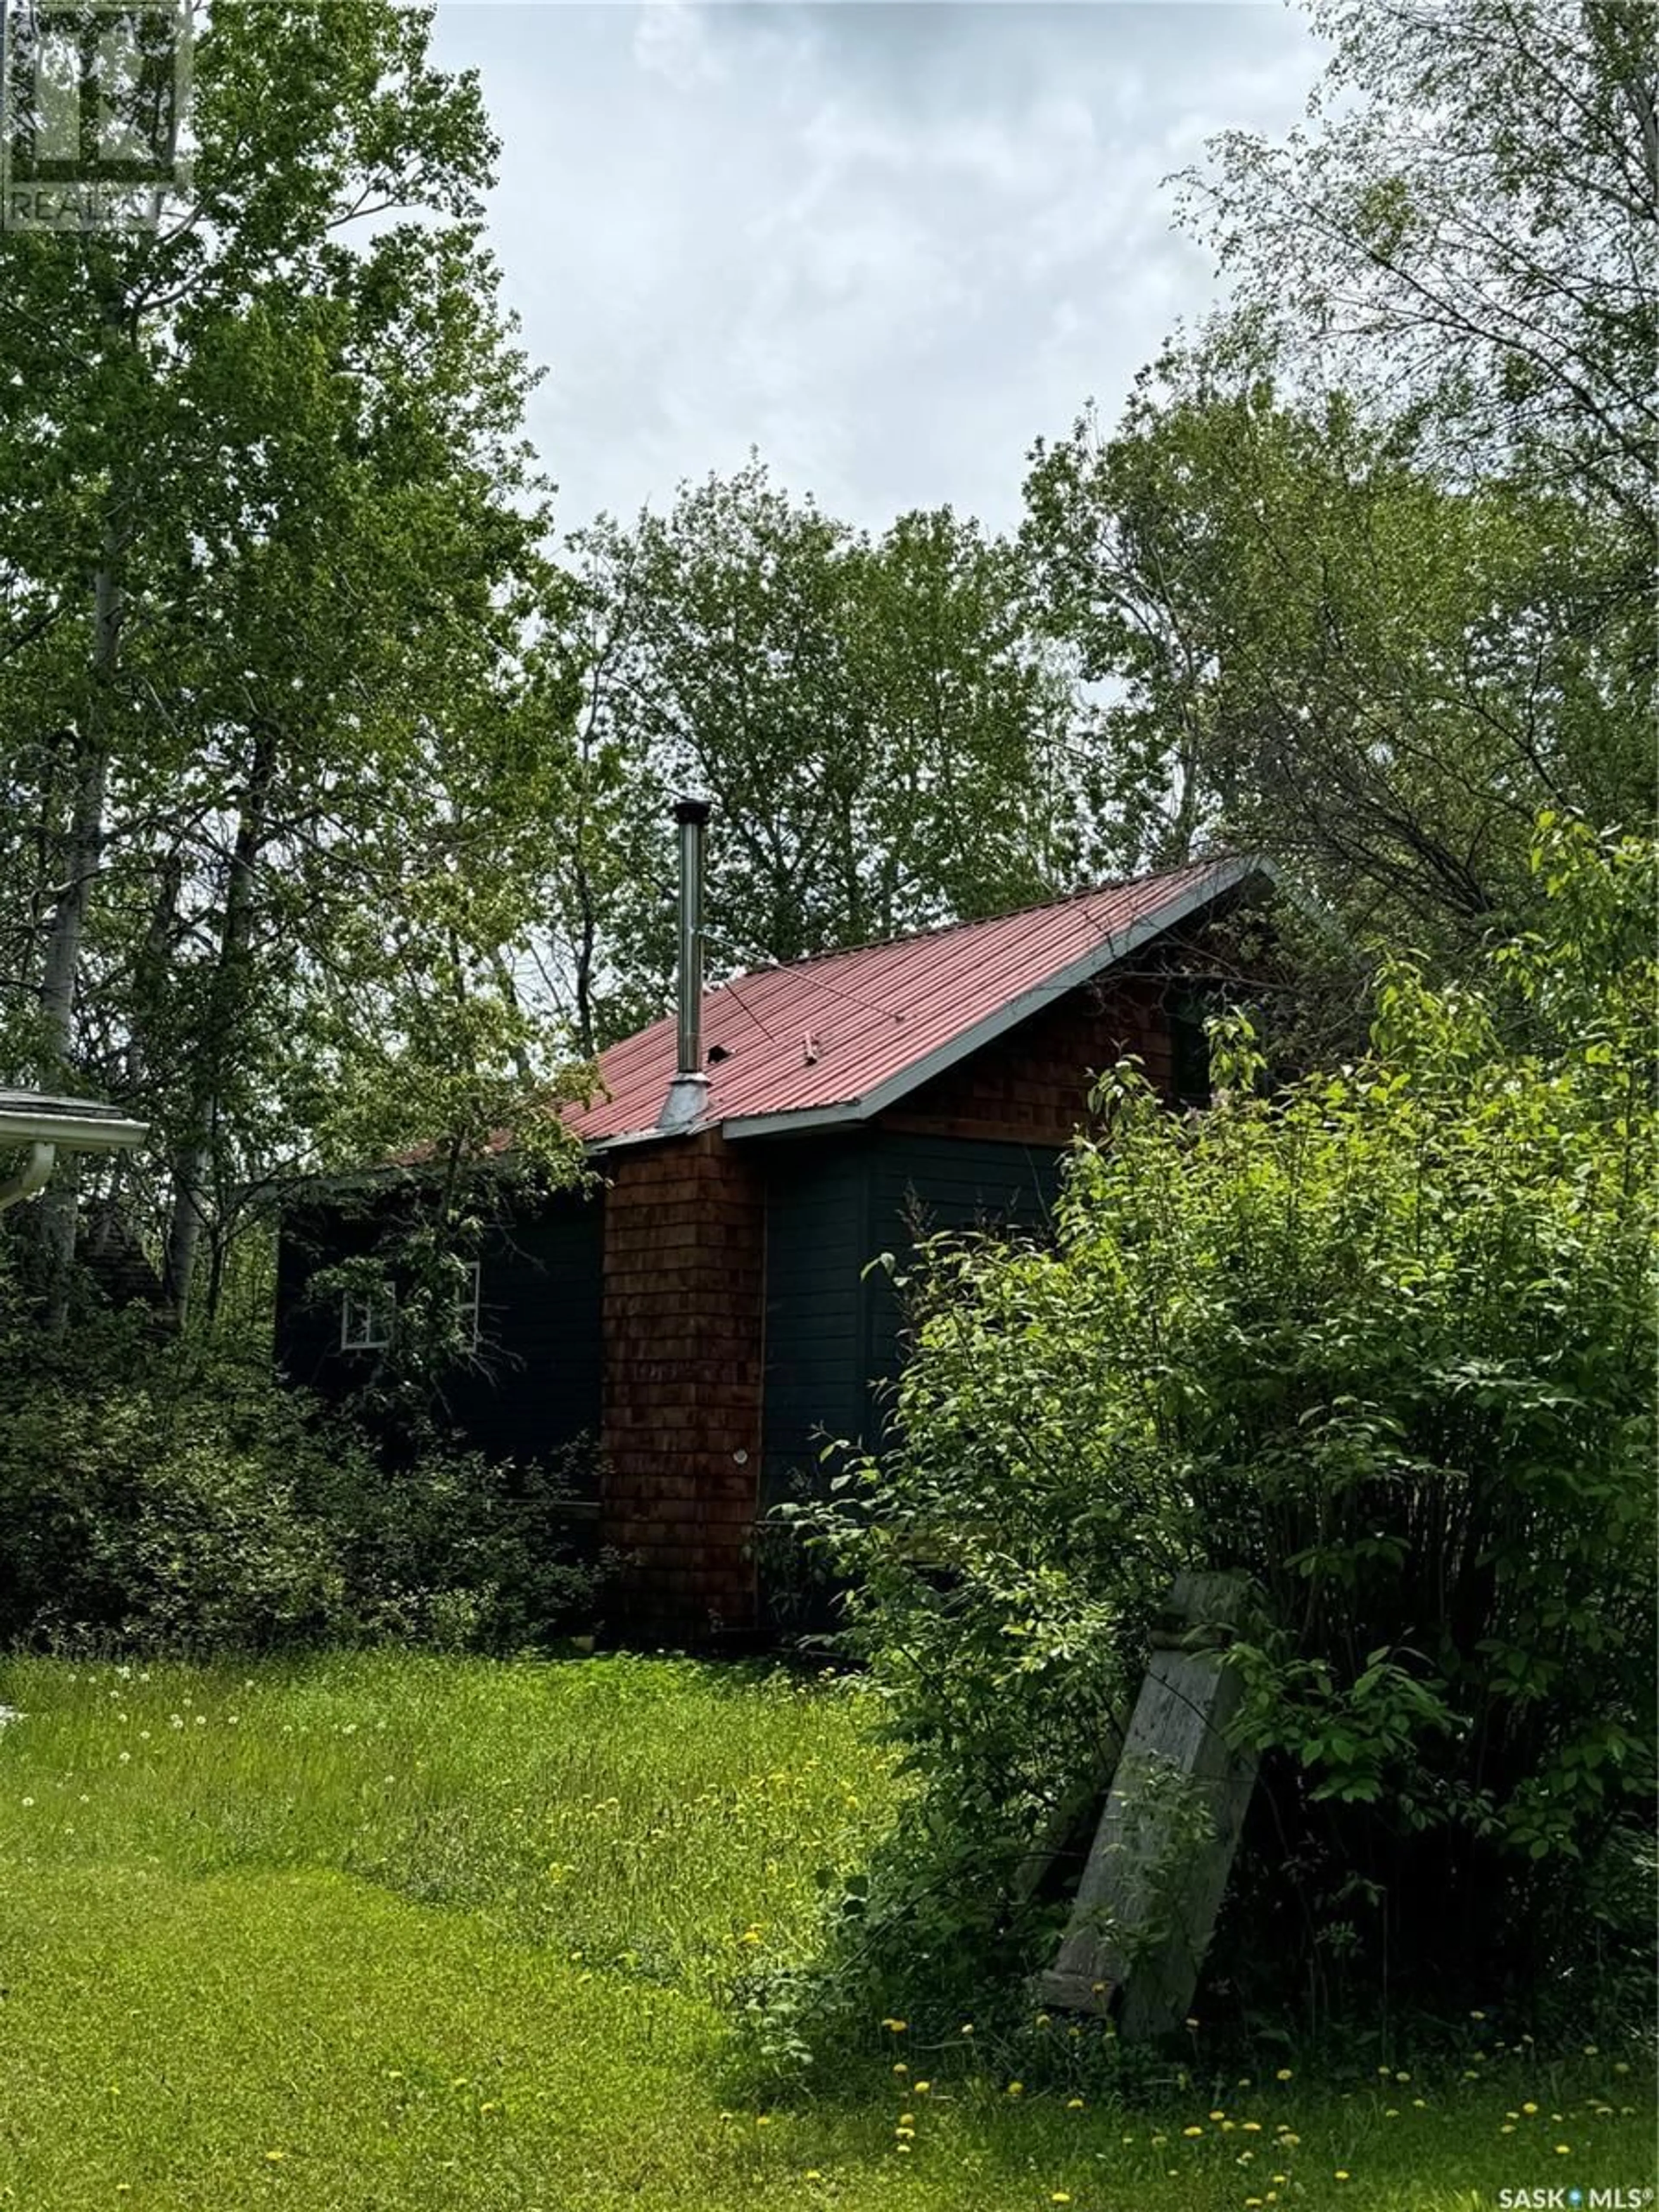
column 535, row 1382
column 833, row 1334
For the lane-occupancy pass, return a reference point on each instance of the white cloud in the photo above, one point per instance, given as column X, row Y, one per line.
column 888, row 245
column 671, row 40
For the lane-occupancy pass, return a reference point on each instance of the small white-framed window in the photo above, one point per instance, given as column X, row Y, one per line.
column 366, row 1319
column 467, row 1306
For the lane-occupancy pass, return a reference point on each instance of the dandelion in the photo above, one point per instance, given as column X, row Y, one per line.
column 1530, row 2109
column 1342, row 2173
column 812, row 2174
column 1016, row 2089
column 896, row 2026
column 1563, row 2150
column 1391, row 2111
column 1217, row 2116
column 763, row 2119
column 967, row 2027
column 1402, row 2077
column 1192, row 2131
column 1508, row 2128
column 28, row 1800
column 1060, row 2197
column 123, row 1758
column 921, row 2087
column 901, row 2067
column 1283, row 2075
column 276, row 2156
column 1074, row 2104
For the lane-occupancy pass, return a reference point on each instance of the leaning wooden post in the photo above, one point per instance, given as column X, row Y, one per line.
column 1146, row 1904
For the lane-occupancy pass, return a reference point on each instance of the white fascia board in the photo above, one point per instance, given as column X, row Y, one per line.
column 99, row 1134
column 1226, row 875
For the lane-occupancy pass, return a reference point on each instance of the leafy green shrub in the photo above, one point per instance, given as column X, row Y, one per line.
column 167, row 1496
column 150, row 1496
column 454, row 1550
column 1385, row 1341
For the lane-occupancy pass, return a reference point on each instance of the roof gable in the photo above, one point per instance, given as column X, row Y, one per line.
column 844, row 1035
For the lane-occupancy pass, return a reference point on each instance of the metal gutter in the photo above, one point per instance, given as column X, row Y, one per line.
column 77, row 1125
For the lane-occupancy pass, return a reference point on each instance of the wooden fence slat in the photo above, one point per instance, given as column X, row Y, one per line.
column 1146, row 1904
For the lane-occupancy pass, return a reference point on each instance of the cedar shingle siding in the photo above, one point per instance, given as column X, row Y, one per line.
column 684, row 1267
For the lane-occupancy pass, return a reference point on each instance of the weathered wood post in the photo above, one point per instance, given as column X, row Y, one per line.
column 1146, row 1904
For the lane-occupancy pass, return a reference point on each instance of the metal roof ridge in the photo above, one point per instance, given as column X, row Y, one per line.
column 978, row 921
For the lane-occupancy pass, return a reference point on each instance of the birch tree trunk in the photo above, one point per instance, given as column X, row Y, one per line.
column 193, row 1157
column 60, row 979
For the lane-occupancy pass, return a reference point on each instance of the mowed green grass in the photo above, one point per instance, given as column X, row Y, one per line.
column 378, row 1933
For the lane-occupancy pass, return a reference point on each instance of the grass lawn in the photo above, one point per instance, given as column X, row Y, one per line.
column 373, row 1933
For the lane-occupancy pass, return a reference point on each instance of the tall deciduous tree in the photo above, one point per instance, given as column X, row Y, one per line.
column 881, row 740
column 264, row 515
column 1305, row 643
column 1365, row 573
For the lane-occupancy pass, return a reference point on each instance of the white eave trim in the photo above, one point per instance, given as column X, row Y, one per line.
column 91, row 1133
column 1225, row 876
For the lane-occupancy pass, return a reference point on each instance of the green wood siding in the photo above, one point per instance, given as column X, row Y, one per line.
column 536, row 1383
column 834, row 1334
column 925, row 1186
column 817, row 1240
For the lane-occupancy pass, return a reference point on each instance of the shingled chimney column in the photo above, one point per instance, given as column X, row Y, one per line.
column 688, row 1094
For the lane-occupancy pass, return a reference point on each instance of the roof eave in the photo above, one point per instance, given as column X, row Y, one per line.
column 1226, row 875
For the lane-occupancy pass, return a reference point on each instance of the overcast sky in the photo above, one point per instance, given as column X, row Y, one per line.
column 887, row 244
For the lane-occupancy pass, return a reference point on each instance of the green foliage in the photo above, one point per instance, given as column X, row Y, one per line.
column 170, row 1497
column 1308, row 643
column 1382, row 1339
column 262, row 852
column 880, row 738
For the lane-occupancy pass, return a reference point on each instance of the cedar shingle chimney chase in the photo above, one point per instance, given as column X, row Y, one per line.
column 687, row 1093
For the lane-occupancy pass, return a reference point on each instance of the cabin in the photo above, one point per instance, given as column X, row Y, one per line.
column 707, row 1310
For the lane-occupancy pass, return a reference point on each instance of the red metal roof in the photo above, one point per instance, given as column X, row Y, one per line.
column 843, row 1034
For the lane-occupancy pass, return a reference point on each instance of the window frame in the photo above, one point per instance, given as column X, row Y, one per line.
column 468, row 1303
column 378, row 1309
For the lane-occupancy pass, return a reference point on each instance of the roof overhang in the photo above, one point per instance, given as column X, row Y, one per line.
column 79, row 1125
column 1226, row 876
